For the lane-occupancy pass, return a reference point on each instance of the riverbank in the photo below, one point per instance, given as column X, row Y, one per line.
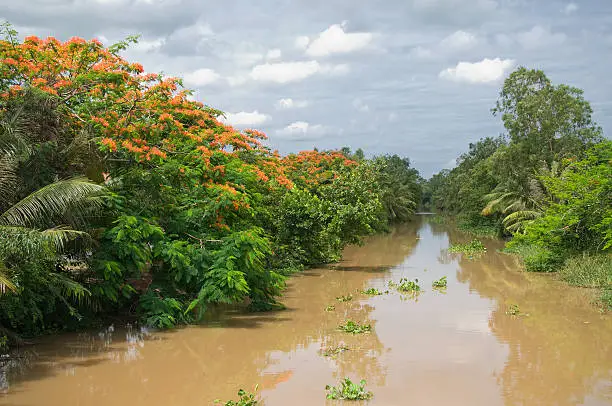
column 582, row 270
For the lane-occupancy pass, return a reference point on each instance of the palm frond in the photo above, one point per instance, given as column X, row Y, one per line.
column 516, row 221
column 64, row 288
column 28, row 241
column 12, row 141
column 68, row 287
column 52, row 202
column 5, row 281
column 8, row 179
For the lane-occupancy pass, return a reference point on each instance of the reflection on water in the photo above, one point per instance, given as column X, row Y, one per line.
column 440, row 347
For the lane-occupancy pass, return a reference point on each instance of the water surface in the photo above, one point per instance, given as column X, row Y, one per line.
column 457, row 347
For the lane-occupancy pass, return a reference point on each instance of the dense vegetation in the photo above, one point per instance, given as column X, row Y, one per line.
column 547, row 183
column 120, row 195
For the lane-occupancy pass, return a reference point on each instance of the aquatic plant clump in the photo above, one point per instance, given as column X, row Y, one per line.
column 348, row 390
column 354, row 328
column 471, row 249
column 330, row 308
column 513, row 310
column 406, row 285
column 244, row 399
column 345, row 298
column 440, row 283
column 372, row 292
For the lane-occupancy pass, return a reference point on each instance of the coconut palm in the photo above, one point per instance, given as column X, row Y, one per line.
column 43, row 220
column 521, row 205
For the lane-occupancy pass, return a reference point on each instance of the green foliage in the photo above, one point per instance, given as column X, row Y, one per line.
column 479, row 226
column 348, row 390
column 513, row 310
column 345, row 298
column 352, row 327
column 160, row 312
column 372, row 292
column 41, row 247
column 536, row 258
column 405, row 285
column 330, row 308
column 440, row 283
column 592, row 271
column 398, row 187
column 244, row 399
column 471, row 249
column 119, row 194
column 606, row 299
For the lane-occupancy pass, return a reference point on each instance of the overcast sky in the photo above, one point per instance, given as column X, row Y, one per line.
column 412, row 77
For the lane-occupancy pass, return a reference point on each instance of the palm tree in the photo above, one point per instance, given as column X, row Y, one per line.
column 521, row 205
column 42, row 220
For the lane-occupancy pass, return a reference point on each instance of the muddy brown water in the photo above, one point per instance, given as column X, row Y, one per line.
column 457, row 347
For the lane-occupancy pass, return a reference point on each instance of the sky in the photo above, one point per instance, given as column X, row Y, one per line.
column 417, row 78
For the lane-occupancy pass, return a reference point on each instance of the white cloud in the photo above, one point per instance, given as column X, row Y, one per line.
column 539, row 37
column 504, row 40
column 286, row 72
column 146, row 46
column 274, row 54
column 236, row 80
column 422, row 52
column 459, row 40
column 245, row 119
column 335, row 40
column 482, row 5
column 302, row 42
column 301, row 130
column 196, row 31
column 335, row 70
column 450, row 164
column 485, row 71
column 288, row 103
column 361, row 106
column 247, row 58
column 455, row 42
column 392, row 117
column 201, row 77
column 570, row 8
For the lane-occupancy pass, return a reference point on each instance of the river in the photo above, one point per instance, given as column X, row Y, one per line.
column 453, row 347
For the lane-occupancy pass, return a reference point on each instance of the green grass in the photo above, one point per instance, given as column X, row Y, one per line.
column 348, row 390
column 330, row 308
column 354, row 328
column 536, row 259
column 606, row 299
column 591, row 271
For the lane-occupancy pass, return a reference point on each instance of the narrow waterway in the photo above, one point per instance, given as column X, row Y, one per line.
column 456, row 347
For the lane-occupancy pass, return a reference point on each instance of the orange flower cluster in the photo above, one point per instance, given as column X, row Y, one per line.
column 314, row 167
column 150, row 118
